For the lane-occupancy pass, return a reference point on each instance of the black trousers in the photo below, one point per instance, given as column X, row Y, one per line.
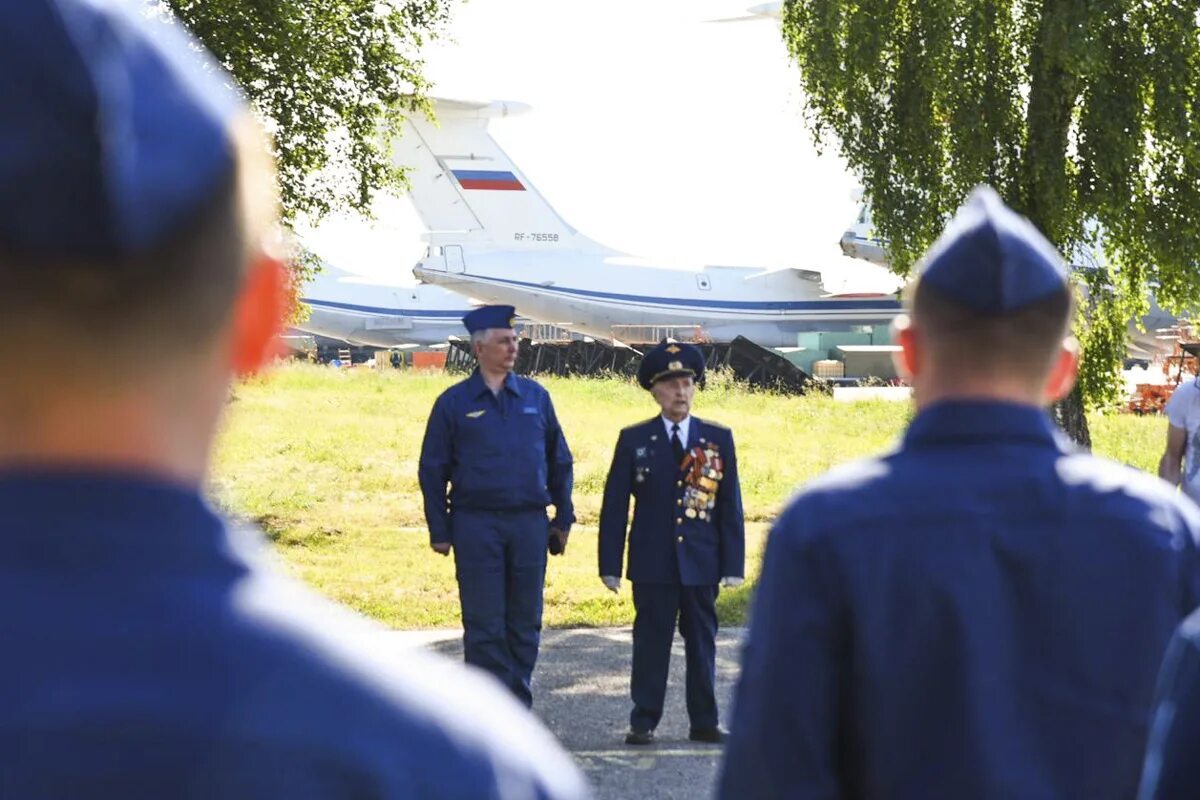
column 659, row 607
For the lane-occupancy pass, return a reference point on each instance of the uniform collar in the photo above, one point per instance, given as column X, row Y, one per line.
column 88, row 520
column 962, row 421
column 478, row 386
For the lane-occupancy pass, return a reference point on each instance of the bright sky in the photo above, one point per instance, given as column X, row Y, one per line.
column 652, row 131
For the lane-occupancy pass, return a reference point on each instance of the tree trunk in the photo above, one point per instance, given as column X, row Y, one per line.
column 1053, row 89
column 1069, row 415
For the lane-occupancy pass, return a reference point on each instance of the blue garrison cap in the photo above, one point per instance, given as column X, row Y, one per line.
column 114, row 127
column 992, row 260
column 669, row 360
column 487, row 317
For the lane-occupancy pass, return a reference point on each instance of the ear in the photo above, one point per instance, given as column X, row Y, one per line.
column 906, row 359
column 259, row 315
column 1062, row 375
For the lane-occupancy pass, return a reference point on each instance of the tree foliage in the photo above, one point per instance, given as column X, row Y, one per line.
column 330, row 79
column 1084, row 114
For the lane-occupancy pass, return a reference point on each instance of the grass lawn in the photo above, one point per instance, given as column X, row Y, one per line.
column 326, row 462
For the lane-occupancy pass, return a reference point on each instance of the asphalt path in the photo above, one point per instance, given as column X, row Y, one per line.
column 581, row 692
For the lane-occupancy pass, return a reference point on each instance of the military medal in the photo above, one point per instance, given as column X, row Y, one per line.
column 701, row 470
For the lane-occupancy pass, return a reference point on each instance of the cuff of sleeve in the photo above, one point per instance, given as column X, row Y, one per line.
column 565, row 527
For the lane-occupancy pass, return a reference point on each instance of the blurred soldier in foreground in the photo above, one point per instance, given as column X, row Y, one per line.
column 148, row 654
column 495, row 439
column 981, row 613
column 1172, row 769
column 687, row 536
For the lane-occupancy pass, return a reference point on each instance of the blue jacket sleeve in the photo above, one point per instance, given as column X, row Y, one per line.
column 1171, row 771
column 732, row 518
column 560, row 471
column 785, row 727
column 435, row 468
column 614, row 513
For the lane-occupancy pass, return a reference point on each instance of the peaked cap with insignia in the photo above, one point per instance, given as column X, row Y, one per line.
column 669, row 360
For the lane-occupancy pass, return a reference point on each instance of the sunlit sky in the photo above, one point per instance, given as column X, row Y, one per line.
column 653, row 131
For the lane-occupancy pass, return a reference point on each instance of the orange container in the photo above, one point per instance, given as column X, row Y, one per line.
column 430, row 360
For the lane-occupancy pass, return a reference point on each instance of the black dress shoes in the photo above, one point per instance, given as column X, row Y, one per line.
column 715, row 735
column 639, row 737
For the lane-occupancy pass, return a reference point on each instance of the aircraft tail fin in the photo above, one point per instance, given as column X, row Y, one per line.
column 861, row 241
column 468, row 191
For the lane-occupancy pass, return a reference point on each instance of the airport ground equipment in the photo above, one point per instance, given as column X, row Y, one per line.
column 750, row 363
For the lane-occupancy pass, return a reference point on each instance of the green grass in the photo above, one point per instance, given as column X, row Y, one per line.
column 326, row 463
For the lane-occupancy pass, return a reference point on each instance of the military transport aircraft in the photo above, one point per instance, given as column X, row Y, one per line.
column 494, row 238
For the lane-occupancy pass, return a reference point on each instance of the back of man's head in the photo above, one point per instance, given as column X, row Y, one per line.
column 991, row 308
column 134, row 189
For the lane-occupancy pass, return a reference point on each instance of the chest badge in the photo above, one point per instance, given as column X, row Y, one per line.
column 476, row 414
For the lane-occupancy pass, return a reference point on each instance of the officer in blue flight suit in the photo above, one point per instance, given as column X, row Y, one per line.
column 982, row 612
column 494, row 438
column 1172, row 769
column 688, row 535
column 149, row 652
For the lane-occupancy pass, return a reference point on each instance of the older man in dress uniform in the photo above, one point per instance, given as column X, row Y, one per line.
column 982, row 612
column 494, row 439
column 149, row 650
column 687, row 537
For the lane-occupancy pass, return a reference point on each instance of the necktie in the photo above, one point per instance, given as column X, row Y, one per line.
column 676, row 444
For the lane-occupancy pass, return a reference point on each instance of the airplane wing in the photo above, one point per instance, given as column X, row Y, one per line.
column 786, row 274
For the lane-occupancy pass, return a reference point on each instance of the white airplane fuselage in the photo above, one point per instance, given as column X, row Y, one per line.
column 612, row 297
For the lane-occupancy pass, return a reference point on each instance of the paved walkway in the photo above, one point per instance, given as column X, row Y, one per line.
column 581, row 692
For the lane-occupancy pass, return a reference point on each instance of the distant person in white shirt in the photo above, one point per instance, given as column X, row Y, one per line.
column 1180, row 463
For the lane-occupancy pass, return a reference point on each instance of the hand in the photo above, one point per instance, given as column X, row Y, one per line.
column 611, row 582
column 732, row 581
column 441, row 547
column 558, row 541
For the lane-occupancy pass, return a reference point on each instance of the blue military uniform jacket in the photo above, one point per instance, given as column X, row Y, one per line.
column 149, row 653
column 666, row 544
column 980, row 614
column 498, row 452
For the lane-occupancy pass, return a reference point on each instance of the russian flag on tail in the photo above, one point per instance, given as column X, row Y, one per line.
column 495, row 180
